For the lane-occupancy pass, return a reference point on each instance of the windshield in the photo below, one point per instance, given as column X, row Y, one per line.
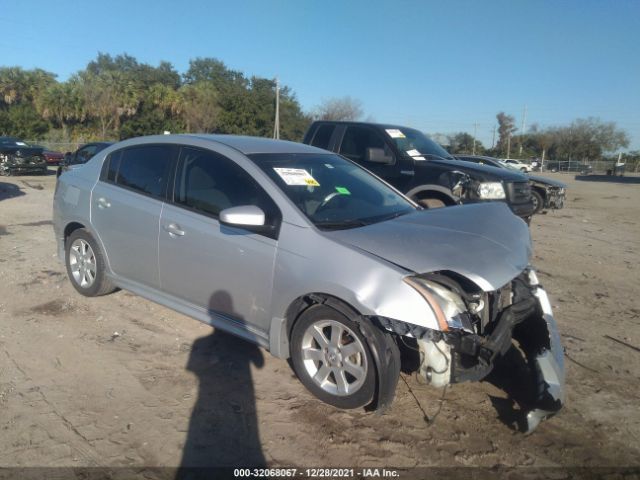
column 331, row 191
column 416, row 144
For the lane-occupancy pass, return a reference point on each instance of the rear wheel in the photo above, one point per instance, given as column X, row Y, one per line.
column 86, row 266
column 332, row 359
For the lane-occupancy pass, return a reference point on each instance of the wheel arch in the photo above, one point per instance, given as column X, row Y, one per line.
column 385, row 351
column 432, row 191
column 70, row 228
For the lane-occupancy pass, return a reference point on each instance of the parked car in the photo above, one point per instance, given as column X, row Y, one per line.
column 81, row 156
column 17, row 156
column 308, row 255
column 52, row 158
column 568, row 166
column 419, row 167
column 518, row 165
column 546, row 192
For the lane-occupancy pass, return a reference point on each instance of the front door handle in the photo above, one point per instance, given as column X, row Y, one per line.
column 174, row 230
column 103, row 203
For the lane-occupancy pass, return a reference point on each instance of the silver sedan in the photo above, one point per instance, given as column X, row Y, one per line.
column 314, row 258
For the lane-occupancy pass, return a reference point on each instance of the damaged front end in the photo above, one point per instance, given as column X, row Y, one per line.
column 22, row 161
column 477, row 329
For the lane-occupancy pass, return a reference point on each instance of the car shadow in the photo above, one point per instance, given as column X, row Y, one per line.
column 608, row 178
column 9, row 190
column 223, row 429
column 512, row 375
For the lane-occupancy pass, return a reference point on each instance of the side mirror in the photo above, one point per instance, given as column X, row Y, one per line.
column 378, row 155
column 243, row 216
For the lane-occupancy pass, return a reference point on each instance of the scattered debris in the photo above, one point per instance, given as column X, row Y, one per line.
column 579, row 364
column 622, row 343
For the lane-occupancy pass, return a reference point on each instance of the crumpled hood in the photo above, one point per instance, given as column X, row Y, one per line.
column 484, row 242
column 547, row 181
column 483, row 172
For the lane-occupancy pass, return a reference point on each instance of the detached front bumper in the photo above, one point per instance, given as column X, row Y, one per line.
column 523, row 313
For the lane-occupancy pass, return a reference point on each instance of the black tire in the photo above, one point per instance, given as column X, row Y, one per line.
column 538, row 201
column 100, row 285
column 360, row 397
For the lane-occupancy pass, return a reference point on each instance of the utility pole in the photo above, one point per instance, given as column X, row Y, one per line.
column 475, row 131
column 493, row 140
column 509, row 145
column 524, row 122
column 276, row 125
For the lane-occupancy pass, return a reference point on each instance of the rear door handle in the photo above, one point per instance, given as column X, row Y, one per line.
column 103, row 203
column 174, row 230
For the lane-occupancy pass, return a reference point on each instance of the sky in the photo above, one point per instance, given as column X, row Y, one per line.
column 440, row 66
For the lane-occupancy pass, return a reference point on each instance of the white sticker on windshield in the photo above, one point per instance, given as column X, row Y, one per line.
column 22, row 144
column 395, row 133
column 296, row 176
column 418, row 157
column 413, row 153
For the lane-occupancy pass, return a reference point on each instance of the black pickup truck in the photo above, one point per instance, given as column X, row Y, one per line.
column 419, row 167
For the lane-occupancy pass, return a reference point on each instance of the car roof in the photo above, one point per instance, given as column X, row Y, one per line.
column 244, row 144
column 355, row 122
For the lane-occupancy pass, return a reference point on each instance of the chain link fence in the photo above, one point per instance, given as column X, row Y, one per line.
column 601, row 167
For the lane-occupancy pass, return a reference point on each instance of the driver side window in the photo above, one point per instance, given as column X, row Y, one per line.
column 208, row 182
column 358, row 139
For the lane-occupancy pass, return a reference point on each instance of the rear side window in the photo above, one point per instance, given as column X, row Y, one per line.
column 322, row 136
column 143, row 169
column 209, row 182
column 356, row 140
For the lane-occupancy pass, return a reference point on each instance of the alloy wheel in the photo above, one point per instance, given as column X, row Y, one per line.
column 82, row 261
column 334, row 357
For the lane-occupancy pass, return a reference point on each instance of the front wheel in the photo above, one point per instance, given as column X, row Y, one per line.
column 332, row 359
column 86, row 266
column 538, row 201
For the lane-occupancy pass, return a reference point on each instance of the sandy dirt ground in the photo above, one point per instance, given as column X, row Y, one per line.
column 120, row 381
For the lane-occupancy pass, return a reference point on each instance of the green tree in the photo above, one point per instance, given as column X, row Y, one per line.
column 463, row 142
column 199, row 107
column 506, row 127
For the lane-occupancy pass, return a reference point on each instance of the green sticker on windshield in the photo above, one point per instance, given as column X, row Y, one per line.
column 343, row 191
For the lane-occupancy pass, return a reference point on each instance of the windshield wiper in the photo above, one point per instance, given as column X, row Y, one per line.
column 341, row 225
column 394, row 215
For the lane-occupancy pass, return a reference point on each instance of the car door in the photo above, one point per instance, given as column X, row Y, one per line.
column 125, row 210
column 225, row 271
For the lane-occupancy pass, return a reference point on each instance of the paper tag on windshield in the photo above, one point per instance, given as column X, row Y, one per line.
column 395, row 133
column 413, row 153
column 419, row 157
column 22, row 144
column 296, row 176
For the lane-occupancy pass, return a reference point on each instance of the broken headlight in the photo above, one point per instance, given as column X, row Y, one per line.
column 491, row 191
column 447, row 306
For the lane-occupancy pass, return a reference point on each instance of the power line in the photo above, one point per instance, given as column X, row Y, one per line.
column 276, row 125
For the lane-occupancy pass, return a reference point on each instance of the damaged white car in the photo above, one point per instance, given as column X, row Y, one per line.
column 312, row 257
